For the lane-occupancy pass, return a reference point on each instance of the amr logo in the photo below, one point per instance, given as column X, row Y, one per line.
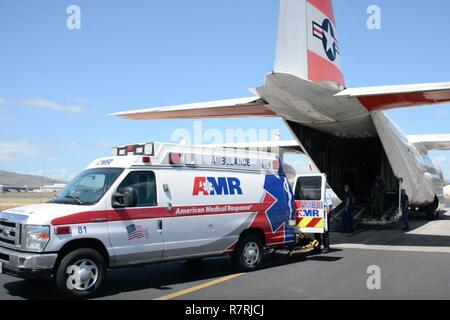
column 325, row 32
column 208, row 186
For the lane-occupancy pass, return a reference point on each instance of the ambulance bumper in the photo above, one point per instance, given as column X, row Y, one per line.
column 26, row 265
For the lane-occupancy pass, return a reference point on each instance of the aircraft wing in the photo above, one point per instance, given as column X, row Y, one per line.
column 259, row 144
column 390, row 97
column 431, row 141
column 232, row 108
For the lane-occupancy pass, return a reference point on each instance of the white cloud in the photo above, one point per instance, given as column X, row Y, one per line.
column 102, row 145
column 11, row 151
column 2, row 100
column 74, row 145
column 50, row 105
column 5, row 114
column 441, row 113
column 60, row 174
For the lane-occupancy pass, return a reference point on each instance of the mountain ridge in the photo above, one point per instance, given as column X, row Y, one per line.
column 8, row 178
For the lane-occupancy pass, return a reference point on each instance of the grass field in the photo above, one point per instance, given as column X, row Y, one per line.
column 11, row 200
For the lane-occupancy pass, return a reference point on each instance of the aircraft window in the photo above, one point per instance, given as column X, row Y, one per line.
column 308, row 188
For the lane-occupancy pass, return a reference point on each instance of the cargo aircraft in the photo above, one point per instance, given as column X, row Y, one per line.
column 344, row 130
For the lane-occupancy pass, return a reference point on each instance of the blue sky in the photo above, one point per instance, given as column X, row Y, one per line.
column 57, row 85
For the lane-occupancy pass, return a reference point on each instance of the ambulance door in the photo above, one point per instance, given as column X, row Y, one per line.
column 136, row 229
column 189, row 228
column 309, row 193
column 201, row 223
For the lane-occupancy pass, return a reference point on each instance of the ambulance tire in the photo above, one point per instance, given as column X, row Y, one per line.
column 248, row 253
column 91, row 273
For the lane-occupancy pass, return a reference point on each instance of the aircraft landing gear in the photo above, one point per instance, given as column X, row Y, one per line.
column 432, row 211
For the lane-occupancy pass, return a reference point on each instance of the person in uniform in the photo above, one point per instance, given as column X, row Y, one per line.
column 347, row 217
column 405, row 209
column 377, row 195
column 326, row 235
column 374, row 196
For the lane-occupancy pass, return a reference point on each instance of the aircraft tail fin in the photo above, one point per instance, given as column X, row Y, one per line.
column 307, row 44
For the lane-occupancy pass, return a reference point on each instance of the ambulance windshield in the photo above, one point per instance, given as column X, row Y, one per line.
column 88, row 187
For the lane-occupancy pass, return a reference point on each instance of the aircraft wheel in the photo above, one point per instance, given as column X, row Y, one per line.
column 431, row 212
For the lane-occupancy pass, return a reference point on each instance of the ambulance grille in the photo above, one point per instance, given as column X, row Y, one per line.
column 9, row 234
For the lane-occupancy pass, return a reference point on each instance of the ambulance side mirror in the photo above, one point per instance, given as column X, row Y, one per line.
column 127, row 199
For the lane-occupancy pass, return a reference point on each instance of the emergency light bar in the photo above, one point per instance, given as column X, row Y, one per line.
column 189, row 159
column 163, row 154
column 136, row 149
column 175, row 158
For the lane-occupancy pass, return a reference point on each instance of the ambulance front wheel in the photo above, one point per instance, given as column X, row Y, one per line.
column 248, row 254
column 81, row 273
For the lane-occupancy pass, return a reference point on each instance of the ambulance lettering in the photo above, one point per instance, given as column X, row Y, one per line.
column 310, row 213
column 104, row 162
column 209, row 186
column 309, row 209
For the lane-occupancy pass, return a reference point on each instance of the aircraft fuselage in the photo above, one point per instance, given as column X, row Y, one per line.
column 316, row 106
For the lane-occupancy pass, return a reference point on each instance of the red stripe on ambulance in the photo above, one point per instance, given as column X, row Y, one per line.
column 155, row 213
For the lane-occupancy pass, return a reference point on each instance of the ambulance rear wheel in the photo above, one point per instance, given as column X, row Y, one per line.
column 81, row 273
column 248, row 254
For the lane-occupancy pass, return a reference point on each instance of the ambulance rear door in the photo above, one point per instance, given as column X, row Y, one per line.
column 310, row 193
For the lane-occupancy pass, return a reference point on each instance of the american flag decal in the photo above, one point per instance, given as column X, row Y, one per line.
column 136, row 232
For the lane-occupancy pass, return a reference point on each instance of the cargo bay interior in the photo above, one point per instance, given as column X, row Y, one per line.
column 358, row 162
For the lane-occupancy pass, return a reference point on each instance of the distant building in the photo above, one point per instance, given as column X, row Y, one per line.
column 9, row 188
column 51, row 188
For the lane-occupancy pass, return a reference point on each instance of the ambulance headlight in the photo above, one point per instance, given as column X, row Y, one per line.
column 35, row 238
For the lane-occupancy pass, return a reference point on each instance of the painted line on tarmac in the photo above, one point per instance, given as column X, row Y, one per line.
column 199, row 287
column 392, row 248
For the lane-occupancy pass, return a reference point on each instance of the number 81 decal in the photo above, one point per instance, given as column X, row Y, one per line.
column 82, row 230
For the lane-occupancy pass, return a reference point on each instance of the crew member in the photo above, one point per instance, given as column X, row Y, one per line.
column 347, row 217
column 326, row 235
column 373, row 196
column 380, row 195
column 405, row 209
column 377, row 195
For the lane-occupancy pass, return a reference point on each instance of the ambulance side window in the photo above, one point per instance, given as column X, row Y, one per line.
column 145, row 184
column 308, row 188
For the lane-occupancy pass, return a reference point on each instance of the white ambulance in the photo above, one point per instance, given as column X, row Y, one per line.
column 150, row 203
